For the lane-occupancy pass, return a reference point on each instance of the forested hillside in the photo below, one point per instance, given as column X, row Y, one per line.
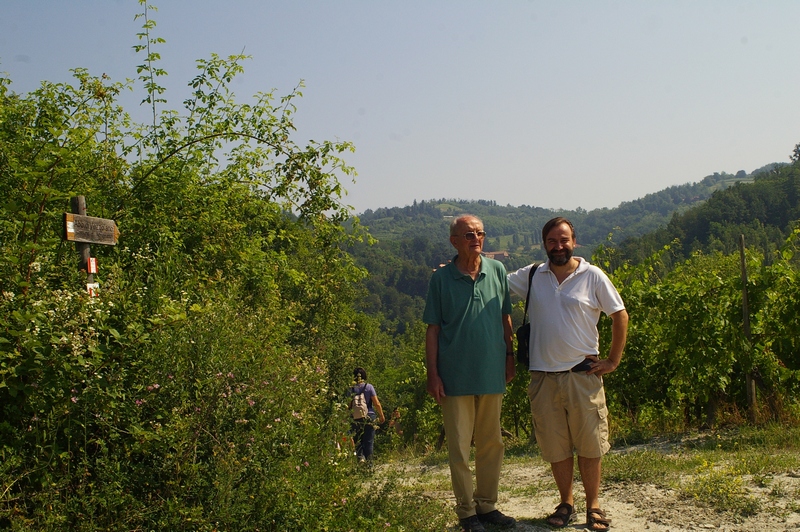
column 629, row 219
column 764, row 211
column 412, row 240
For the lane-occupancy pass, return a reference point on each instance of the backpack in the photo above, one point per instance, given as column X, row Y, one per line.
column 358, row 405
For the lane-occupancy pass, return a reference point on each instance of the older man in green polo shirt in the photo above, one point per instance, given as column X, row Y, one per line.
column 469, row 359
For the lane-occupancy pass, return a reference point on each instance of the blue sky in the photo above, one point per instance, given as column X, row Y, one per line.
column 558, row 104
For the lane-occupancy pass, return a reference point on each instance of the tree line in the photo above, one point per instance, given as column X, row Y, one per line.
column 412, row 240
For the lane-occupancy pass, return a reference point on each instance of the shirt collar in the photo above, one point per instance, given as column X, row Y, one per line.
column 583, row 265
column 456, row 273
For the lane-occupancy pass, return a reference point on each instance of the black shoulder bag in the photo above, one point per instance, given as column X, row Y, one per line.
column 524, row 330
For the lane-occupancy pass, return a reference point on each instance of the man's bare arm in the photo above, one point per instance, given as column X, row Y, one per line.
column 434, row 386
column 508, row 334
column 619, row 334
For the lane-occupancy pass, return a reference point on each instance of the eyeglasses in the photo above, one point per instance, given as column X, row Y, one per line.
column 472, row 235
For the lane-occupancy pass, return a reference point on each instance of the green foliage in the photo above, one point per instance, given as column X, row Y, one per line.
column 687, row 351
column 645, row 466
column 202, row 389
column 516, row 413
column 521, row 225
column 401, row 387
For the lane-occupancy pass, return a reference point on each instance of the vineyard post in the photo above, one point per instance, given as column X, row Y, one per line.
column 750, row 381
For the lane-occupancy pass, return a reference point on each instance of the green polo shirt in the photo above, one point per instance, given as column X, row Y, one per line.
column 472, row 349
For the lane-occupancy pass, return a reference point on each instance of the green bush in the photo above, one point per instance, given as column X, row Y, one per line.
column 202, row 389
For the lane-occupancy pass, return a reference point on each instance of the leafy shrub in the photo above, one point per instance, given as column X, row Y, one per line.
column 202, row 389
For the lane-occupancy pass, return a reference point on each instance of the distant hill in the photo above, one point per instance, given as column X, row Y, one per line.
column 517, row 229
column 412, row 240
column 765, row 211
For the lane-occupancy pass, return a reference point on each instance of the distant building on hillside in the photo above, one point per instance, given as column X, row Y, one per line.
column 497, row 255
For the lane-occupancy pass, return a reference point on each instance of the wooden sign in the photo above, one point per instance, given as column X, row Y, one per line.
column 78, row 228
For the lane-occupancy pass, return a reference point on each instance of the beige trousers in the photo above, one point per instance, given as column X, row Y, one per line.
column 465, row 415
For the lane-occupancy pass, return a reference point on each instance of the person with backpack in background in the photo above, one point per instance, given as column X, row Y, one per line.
column 365, row 408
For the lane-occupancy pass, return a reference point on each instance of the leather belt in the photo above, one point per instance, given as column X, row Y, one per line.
column 580, row 367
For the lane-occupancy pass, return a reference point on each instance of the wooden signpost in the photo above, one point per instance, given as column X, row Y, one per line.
column 90, row 230
column 85, row 230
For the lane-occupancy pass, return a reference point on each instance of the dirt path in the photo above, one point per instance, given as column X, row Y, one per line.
column 637, row 507
column 528, row 494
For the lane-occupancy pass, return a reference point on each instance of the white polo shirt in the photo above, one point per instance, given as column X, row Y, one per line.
column 564, row 317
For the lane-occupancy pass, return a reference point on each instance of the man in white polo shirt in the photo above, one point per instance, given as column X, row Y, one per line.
column 566, row 390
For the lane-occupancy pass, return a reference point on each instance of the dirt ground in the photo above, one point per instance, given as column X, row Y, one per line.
column 630, row 506
column 636, row 507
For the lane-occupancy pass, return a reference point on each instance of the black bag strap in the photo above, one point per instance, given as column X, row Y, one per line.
column 528, row 296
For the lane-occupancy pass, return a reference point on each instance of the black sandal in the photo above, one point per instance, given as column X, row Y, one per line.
column 565, row 514
column 596, row 516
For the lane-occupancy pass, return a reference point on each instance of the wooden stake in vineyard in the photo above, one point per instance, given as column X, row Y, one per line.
column 750, row 381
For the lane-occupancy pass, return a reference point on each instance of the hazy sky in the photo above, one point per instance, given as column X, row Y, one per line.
column 545, row 103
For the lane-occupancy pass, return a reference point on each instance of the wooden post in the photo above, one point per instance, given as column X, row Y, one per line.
column 78, row 205
column 749, row 381
column 85, row 230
